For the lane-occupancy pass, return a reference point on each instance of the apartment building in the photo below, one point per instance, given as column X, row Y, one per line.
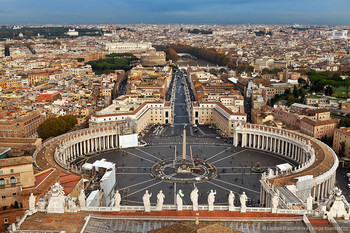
column 21, row 126
column 341, row 141
column 15, row 173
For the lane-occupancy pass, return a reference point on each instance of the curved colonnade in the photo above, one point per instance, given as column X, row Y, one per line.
column 315, row 159
column 72, row 145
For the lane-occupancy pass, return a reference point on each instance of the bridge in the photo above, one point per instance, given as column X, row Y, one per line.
column 206, row 68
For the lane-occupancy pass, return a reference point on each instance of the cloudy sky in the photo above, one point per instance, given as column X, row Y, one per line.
column 332, row 12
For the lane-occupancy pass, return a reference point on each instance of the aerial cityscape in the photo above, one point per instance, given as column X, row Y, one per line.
column 165, row 117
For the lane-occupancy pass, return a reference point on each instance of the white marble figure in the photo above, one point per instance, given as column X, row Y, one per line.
column 179, row 201
column 243, row 199
column 81, row 199
column 70, row 205
column 32, row 202
column 194, row 199
column 211, row 200
column 231, row 200
column 338, row 206
column 309, row 201
column 274, row 203
column 160, row 200
column 146, row 201
column 117, row 199
column 56, row 199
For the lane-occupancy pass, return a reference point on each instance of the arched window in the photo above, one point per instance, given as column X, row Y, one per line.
column 13, row 180
column 2, row 181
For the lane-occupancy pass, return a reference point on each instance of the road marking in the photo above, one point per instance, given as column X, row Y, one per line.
column 143, row 182
column 140, row 157
column 238, row 186
column 228, row 156
column 218, row 153
column 145, row 188
column 147, row 153
column 132, row 173
column 221, row 186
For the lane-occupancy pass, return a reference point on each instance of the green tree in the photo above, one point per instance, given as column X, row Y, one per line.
column 53, row 127
column 265, row 71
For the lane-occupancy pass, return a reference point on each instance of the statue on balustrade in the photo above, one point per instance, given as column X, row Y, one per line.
column 160, row 200
column 179, row 201
column 274, row 203
column 32, row 202
column 146, row 201
column 211, row 200
column 231, row 200
column 309, row 201
column 81, row 199
column 117, row 200
column 194, row 199
column 243, row 199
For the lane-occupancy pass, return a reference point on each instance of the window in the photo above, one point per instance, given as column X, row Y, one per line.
column 13, row 180
column 6, row 220
column 11, row 171
column 2, row 181
column 14, row 194
column 3, row 197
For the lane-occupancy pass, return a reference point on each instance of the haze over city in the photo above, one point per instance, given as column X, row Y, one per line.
column 323, row 12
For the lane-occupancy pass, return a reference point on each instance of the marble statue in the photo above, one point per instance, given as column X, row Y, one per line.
column 231, row 200
column 211, row 200
column 32, row 202
column 160, row 200
column 194, row 199
column 70, row 205
column 146, row 201
column 179, row 201
column 274, row 203
column 81, row 199
column 117, row 199
column 338, row 206
column 309, row 201
column 41, row 205
column 243, row 199
column 56, row 199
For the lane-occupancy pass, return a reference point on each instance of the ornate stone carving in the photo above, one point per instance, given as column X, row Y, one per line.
column 56, row 199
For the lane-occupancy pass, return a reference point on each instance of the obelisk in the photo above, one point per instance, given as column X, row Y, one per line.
column 184, row 149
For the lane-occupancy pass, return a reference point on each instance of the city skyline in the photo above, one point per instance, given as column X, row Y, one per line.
column 179, row 12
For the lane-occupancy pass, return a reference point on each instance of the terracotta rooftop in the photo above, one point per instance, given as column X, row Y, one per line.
column 74, row 222
column 319, row 122
column 193, row 228
column 40, row 177
column 68, row 181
